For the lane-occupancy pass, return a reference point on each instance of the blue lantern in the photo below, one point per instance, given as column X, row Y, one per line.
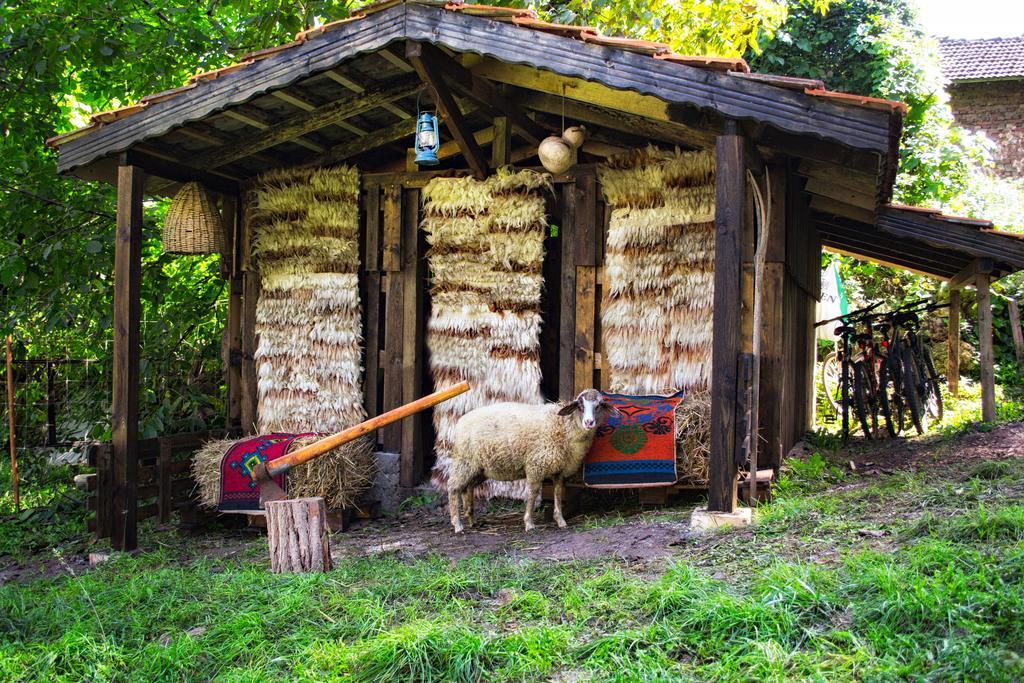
column 427, row 140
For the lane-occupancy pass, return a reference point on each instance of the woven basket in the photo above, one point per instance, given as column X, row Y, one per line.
column 193, row 224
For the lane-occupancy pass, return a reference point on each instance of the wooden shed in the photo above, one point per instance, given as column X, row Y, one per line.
column 501, row 80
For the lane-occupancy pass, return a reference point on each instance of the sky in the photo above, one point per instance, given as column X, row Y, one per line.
column 972, row 18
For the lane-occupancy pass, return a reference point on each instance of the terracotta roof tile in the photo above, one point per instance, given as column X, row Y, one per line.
column 862, row 100
column 520, row 17
column 982, row 59
column 715, row 63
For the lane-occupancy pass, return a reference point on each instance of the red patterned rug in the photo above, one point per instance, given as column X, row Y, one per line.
column 636, row 448
column 238, row 492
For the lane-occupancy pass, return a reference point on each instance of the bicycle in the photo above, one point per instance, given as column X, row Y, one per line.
column 849, row 375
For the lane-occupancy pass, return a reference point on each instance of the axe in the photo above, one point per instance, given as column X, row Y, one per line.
column 262, row 473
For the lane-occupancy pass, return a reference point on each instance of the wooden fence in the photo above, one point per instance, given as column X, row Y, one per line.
column 163, row 482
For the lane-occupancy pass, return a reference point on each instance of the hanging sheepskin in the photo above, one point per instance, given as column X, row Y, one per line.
column 659, row 268
column 486, row 254
column 308, row 360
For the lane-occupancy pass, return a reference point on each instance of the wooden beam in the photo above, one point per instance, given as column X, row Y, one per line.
column 251, row 117
column 347, row 82
column 1013, row 310
column 233, row 371
column 730, row 200
column 501, row 147
column 969, row 275
column 250, row 297
column 181, row 173
column 483, row 92
column 600, row 104
column 843, row 210
column 841, row 193
column 413, row 339
column 307, row 122
column 953, row 344
column 986, row 360
column 773, row 351
column 430, row 73
column 125, row 380
column 211, row 136
column 567, row 296
column 305, row 105
column 392, row 57
column 378, row 138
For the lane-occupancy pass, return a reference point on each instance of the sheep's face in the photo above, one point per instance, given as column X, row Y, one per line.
column 590, row 407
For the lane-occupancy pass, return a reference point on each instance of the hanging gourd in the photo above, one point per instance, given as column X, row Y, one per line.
column 193, row 224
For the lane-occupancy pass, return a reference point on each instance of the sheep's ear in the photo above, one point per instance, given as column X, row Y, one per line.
column 570, row 408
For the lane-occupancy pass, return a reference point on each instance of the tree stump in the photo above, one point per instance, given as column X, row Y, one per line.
column 297, row 534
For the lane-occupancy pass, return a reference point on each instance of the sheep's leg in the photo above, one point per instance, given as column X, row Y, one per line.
column 467, row 505
column 559, row 492
column 530, row 501
column 453, row 506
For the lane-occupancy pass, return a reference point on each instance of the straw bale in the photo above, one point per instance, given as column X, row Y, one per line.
column 309, row 354
column 693, row 436
column 659, row 267
column 486, row 253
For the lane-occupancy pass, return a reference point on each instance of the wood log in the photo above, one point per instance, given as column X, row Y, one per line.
column 986, row 361
column 1015, row 330
column 297, row 535
column 953, row 344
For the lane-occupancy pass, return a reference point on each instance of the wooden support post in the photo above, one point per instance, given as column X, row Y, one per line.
column 371, row 303
column 394, row 316
column 585, row 237
column 164, row 497
column 988, row 378
column 567, row 308
column 1018, row 335
column 11, row 439
column 430, row 73
column 413, row 342
column 232, row 226
column 501, row 148
column 104, row 491
column 772, row 372
column 297, row 534
column 953, row 344
column 127, row 312
column 730, row 196
column 249, row 392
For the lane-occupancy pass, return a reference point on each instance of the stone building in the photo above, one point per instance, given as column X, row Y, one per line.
column 987, row 94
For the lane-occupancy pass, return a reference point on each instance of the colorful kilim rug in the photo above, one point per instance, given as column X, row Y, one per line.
column 238, row 492
column 636, row 448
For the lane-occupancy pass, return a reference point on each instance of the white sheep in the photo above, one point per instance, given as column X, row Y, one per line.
column 510, row 441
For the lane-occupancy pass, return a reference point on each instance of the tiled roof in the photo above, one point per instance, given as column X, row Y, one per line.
column 520, row 17
column 976, row 223
column 982, row 59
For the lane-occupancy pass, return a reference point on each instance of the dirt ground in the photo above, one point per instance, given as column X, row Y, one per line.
column 606, row 527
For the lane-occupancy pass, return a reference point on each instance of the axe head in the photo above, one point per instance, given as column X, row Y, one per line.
column 269, row 490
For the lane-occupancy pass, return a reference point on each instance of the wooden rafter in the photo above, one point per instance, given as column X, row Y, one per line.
column 251, row 117
column 306, row 105
column 307, row 122
column 968, row 276
column 347, row 82
column 431, row 74
column 639, row 121
column 477, row 88
column 372, row 140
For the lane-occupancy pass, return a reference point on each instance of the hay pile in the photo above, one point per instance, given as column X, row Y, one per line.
column 357, row 477
column 486, row 254
column 656, row 321
column 693, row 436
column 306, row 242
column 659, row 263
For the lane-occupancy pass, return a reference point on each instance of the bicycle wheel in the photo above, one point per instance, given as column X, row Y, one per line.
column 830, row 380
column 933, row 402
column 860, row 398
column 910, row 395
column 889, row 401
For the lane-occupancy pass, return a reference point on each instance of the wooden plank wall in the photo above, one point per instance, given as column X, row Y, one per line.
column 801, row 291
column 393, row 283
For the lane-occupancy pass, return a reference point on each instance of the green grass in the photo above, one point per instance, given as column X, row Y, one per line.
column 800, row 596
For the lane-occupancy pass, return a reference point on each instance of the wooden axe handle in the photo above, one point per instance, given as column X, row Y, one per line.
column 307, row 453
